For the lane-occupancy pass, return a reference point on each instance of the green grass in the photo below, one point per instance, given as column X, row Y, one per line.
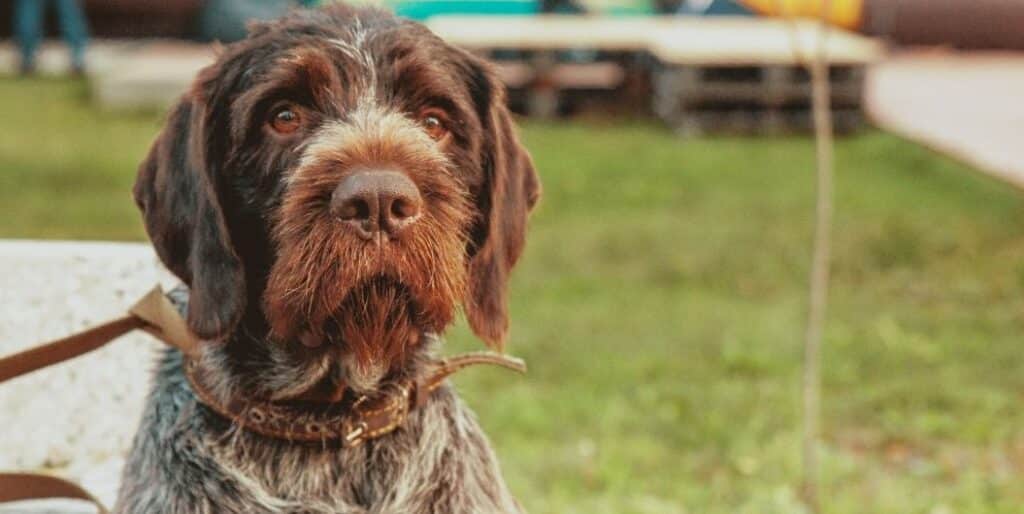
column 661, row 302
column 66, row 170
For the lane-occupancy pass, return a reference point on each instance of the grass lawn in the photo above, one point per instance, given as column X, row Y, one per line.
column 661, row 304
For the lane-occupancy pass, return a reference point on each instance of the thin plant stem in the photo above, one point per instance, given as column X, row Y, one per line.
column 819, row 278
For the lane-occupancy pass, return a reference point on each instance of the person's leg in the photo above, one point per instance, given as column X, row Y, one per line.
column 74, row 29
column 28, row 30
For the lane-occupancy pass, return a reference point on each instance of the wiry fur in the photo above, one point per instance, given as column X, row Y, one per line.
column 241, row 215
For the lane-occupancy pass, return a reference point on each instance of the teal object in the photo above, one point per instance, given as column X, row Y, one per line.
column 630, row 9
column 714, row 8
column 28, row 29
column 423, row 9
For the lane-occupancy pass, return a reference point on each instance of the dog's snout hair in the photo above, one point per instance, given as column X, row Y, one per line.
column 331, row 190
column 368, row 135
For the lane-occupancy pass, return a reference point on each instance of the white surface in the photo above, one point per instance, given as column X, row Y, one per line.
column 674, row 40
column 551, row 31
column 75, row 419
column 754, row 41
column 965, row 105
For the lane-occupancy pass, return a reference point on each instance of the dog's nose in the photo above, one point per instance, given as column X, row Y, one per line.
column 377, row 201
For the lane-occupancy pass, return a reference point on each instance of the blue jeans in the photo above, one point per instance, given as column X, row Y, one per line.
column 28, row 28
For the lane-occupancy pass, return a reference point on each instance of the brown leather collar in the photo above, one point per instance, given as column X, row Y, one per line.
column 350, row 421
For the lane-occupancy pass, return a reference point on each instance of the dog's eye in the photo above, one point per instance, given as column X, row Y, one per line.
column 285, row 120
column 434, row 122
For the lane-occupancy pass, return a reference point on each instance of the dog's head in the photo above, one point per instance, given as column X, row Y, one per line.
column 343, row 178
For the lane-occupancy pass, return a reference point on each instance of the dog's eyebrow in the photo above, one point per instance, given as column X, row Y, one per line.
column 313, row 65
column 422, row 84
column 304, row 75
column 415, row 72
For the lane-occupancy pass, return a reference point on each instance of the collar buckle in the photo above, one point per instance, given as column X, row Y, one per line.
column 356, row 436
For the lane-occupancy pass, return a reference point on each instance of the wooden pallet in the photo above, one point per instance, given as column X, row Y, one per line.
column 750, row 76
column 752, row 99
column 547, row 88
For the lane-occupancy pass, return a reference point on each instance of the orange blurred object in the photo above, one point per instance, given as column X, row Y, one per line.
column 843, row 13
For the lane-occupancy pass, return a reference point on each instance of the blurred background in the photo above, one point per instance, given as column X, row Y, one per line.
column 662, row 297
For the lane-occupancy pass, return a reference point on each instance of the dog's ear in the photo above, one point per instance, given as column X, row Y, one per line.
column 510, row 191
column 178, row 190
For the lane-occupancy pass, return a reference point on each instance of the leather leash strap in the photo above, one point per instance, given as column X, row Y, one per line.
column 67, row 348
column 352, row 424
column 26, row 486
column 154, row 313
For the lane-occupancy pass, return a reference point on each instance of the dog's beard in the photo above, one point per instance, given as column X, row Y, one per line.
column 375, row 325
column 372, row 300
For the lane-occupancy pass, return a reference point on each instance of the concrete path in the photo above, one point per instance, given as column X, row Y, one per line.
column 969, row 106
column 144, row 74
column 152, row 74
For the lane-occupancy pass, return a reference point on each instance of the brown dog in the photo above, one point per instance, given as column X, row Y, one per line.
column 331, row 189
